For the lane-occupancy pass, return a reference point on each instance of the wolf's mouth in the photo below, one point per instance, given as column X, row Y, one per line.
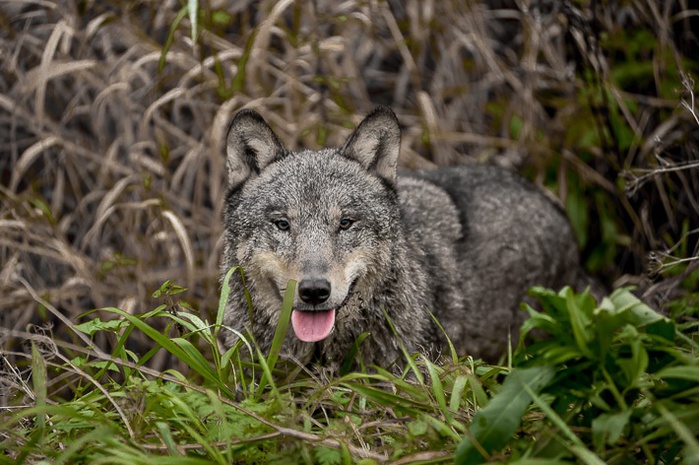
column 313, row 326
column 316, row 325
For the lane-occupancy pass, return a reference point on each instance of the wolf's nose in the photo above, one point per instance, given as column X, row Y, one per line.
column 314, row 291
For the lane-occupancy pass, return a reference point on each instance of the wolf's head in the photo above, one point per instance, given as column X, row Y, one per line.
column 327, row 219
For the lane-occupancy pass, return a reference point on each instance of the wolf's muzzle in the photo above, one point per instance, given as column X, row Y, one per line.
column 314, row 291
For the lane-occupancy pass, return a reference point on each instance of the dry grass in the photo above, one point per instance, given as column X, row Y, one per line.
column 112, row 171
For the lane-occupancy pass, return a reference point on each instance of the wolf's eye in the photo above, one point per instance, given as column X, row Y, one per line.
column 282, row 224
column 345, row 223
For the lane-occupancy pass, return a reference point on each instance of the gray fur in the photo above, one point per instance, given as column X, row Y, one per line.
column 465, row 243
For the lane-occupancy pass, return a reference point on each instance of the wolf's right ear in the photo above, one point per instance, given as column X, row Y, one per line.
column 251, row 145
column 375, row 144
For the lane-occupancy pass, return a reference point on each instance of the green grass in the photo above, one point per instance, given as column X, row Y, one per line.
column 613, row 382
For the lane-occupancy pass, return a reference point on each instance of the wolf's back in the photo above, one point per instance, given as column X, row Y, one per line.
column 512, row 237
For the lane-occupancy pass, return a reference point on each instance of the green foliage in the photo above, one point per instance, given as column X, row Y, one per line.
column 615, row 381
column 240, row 406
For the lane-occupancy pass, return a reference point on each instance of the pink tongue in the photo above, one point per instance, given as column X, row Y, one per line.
column 312, row 326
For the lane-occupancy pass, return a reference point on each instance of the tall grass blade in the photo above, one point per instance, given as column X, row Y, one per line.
column 166, row 437
column 457, row 393
column 225, row 293
column 280, row 333
column 39, row 383
column 193, row 12
column 170, row 38
column 438, row 390
column 411, row 362
column 267, row 377
column 352, row 354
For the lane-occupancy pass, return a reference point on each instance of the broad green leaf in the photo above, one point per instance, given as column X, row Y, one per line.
column 633, row 367
column 607, row 323
column 665, row 329
column 608, row 427
column 497, row 422
column 96, row 325
column 327, row 456
column 688, row 373
column 540, row 321
column 639, row 314
column 553, row 303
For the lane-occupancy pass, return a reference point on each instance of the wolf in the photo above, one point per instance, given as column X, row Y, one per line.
column 378, row 253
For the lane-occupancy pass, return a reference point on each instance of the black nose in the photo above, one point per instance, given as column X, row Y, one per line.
column 314, row 291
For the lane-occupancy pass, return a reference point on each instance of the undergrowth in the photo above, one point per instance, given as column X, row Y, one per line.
column 612, row 382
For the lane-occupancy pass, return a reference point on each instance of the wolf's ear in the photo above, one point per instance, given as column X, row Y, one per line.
column 375, row 144
column 250, row 147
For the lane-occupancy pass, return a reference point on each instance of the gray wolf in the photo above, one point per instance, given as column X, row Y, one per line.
column 464, row 243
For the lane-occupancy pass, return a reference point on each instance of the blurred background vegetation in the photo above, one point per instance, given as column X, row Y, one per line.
column 113, row 113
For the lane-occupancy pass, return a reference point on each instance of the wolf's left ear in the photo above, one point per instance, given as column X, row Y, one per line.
column 375, row 144
column 251, row 145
